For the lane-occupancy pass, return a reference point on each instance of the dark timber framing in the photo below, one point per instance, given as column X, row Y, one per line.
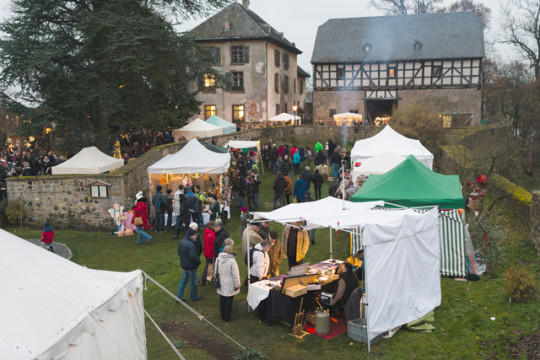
column 414, row 74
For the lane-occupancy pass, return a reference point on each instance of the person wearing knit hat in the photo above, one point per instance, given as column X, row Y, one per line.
column 226, row 268
column 189, row 261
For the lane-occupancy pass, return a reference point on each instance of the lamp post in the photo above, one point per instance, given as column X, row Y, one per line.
column 295, row 108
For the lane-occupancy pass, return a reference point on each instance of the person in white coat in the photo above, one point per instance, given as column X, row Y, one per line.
column 229, row 278
column 261, row 261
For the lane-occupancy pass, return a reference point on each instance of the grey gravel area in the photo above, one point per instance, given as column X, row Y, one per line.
column 59, row 248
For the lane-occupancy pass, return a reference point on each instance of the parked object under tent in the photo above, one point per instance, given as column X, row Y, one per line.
column 402, row 255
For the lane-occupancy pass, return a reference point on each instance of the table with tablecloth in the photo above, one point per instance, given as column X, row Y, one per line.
column 271, row 303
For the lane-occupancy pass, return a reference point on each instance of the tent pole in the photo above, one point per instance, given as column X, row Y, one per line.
column 366, row 290
column 248, row 264
column 331, row 254
column 343, row 182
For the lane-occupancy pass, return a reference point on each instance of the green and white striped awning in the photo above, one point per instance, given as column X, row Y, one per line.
column 451, row 229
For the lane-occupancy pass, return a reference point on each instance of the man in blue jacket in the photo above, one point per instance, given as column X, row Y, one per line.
column 189, row 261
column 300, row 188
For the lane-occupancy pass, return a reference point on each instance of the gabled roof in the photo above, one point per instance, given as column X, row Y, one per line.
column 391, row 38
column 302, row 73
column 244, row 25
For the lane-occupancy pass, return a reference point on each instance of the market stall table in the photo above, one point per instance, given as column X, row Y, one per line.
column 265, row 299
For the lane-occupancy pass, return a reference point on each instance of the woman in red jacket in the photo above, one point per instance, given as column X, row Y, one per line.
column 208, row 251
column 141, row 211
column 47, row 236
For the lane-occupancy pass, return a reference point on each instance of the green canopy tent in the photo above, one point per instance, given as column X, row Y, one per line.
column 412, row 184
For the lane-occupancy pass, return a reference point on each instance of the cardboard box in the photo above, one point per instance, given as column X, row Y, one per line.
column 296, row 290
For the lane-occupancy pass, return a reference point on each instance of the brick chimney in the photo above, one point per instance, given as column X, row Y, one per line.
column 245, row 3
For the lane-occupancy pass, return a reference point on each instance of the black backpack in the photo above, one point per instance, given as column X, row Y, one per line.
column 251, row 252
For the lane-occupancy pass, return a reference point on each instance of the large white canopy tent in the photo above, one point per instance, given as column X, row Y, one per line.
column 52, row 308
column 379, row 164
column 89, row 160
column 285, row 117
column 402, row 255
column 389, row 140
column 202, row 166
column 197, row 128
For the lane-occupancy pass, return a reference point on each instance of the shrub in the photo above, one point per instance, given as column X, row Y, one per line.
column 520, row 283
column 15, row 211
column 130, row 204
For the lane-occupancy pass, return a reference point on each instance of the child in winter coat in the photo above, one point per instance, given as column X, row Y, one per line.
column 47, row 236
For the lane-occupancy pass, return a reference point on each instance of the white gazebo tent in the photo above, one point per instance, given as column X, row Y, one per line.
column 347, row 119
column 402, row 255
column 197, row 128
column 285, row 117
column 52, row 308
column 228, row 127
column 89, row 160
column 390, row 140
column 245, row 144
column 194, row 161
column 376, row 165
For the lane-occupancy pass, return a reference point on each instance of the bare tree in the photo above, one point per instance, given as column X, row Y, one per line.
column 480, row 10
column 404, row 7
column 522, row 29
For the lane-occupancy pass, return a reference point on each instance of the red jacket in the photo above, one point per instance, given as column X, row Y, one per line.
column 47, row 237
column 209, row 237
column 141, row 209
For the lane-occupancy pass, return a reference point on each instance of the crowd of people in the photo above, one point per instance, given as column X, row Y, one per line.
column 262, row 247
column 136, row 142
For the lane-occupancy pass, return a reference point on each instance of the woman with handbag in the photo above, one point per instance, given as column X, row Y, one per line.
column 140, row 218
column 227, row 280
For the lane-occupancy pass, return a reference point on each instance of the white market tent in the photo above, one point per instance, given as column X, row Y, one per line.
column 388, row 140
column 284, row 117
column 89, row 160
column 242, row 144
column 228, row 127
column 193, row 158
column 53, row 308
column 402, row 256
column 379, row 164
column 197, row 128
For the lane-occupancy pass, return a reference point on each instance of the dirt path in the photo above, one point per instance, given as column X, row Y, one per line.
column 218, row 349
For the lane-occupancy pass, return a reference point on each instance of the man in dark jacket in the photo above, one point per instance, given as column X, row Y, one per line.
column 192, row 203
column 157, row 199
column 221, row 235
column 347, row 283
column 318, row 180
column 307, row 176
column 189, row 261
column 274, row 155
column 279, row 187
column 300, row 188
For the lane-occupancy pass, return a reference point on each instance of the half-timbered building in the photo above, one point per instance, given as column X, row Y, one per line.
column 371, row 65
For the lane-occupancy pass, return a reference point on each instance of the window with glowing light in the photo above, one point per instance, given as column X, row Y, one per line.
column 209, row 110
column 238, row 113
column 209, row 82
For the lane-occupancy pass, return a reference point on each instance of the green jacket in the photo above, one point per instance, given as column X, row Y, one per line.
column 318, row 146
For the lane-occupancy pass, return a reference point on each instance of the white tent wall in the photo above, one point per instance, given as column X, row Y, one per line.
column 52, row 308
column 117, row 335
column 402, row 272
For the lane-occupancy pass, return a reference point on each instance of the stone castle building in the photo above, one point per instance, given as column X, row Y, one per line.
column 371, row 65
column 259, row 62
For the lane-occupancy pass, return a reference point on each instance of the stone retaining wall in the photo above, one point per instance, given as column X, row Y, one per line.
column 66, row 201
column 535, row 220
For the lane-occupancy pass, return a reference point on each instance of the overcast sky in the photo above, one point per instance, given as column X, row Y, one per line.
column 299, row 20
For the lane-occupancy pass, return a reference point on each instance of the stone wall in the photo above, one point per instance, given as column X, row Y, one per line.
column 454, row 100
column 66, row 200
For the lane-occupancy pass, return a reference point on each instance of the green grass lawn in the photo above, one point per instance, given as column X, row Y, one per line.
column 463, row 325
